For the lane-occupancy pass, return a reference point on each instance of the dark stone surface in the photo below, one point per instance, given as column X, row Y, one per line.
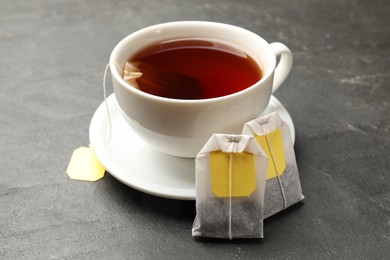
column 52, row 58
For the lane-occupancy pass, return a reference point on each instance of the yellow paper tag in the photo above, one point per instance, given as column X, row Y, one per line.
column 272, row 145
column 85, row 166
column 243, row 181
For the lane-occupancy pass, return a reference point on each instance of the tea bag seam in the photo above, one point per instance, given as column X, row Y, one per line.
column 230, row 194
column 276, row 170
column 273, row 163
column 232, row 149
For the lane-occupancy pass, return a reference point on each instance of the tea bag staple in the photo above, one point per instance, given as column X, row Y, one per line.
column 230, row 183
column 283, row 187
column 161, row 82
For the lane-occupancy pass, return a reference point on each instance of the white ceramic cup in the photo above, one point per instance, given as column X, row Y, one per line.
column 181, row 127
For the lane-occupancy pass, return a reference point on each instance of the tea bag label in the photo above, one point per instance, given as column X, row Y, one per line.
column 272, row 144
column 241, row 179
column 85, row 166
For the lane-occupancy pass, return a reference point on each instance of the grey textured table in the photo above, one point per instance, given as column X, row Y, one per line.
column 52, row 58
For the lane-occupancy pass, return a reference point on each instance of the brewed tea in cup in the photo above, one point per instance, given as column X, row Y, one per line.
column 223, row 76
column 194, row 68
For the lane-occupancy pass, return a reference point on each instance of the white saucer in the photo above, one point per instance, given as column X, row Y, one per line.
column 139, row 166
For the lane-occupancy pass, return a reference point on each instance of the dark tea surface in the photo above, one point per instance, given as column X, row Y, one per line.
column 218, row 68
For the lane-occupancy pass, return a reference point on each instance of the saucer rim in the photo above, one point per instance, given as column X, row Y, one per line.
column 135, row 181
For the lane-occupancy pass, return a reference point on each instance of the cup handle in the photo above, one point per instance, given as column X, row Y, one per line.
column 284, row 65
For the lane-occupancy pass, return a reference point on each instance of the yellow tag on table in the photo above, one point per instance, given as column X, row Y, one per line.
column 241, row 179
column 272, row 145
column 85, row 166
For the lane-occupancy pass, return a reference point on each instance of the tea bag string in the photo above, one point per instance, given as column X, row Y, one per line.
column 276, row 169
column 107, row 108
column 230, row 195
column 233, row 149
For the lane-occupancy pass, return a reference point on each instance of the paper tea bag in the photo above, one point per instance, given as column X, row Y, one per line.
column 131, row 73
column 161, row 82
column 230, row 183
column 283, row 187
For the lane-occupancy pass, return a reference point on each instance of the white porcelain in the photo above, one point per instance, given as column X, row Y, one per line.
column 130, row 160
column 181, row 127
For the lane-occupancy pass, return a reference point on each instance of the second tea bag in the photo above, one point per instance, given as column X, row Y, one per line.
column 230, row 182
column 283, row 187
column 161, row 82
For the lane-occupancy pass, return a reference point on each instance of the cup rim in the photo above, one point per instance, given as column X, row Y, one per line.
column 115, row 70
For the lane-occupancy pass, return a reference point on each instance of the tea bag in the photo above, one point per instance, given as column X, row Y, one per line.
column 230, row 183
column 161, row 82
column 131, row 73
column 283, row 187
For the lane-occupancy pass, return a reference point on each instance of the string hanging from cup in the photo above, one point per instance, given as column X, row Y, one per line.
column 107, row 108
column 84, row 165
